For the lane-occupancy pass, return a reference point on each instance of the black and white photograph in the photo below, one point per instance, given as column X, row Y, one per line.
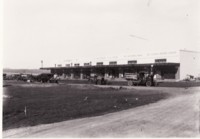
column 100, row 68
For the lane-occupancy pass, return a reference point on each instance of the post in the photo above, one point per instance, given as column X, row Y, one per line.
column 81, row 76
column 151, row 70
column 120, row 73
column 41, row 63
column 177, row 75
column 106, row 71
column 72, row 75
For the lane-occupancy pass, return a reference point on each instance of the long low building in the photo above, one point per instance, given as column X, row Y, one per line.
column 169, row 65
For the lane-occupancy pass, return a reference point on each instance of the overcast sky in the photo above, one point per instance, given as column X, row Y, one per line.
column 56, row 30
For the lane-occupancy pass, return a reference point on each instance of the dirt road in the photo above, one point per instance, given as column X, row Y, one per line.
column 177, row 116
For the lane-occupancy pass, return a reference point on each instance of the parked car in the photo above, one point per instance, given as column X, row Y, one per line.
column 141, row 78
column 24, row 77
column 46, row 77
column 97, row 79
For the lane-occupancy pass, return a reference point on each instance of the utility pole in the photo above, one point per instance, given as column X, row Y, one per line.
column 41, row 63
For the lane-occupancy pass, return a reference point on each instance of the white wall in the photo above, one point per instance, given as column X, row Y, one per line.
column 144, row 58
column 189, row 63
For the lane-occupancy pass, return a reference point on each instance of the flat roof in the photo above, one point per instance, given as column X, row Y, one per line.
column 113, row 66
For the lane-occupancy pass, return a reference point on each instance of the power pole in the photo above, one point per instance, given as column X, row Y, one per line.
column 42, row 63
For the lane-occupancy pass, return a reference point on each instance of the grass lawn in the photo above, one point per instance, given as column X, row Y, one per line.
column 64, row 102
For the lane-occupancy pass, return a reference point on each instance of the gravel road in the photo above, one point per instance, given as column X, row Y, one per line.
column 177, row 116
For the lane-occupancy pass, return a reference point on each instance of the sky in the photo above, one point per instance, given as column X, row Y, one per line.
column 58, row 30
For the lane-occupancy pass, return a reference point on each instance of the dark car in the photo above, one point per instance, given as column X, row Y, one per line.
column 97, row 79
column 141, row 78
column 24, row 77
column 46, row 77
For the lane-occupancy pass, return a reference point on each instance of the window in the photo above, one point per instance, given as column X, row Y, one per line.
column 59, row 65
column 132, row 62
column 67, row 65
column 113, row 63
column 160, row 60
column 76, row 65
column 86, row 64
column 99, row 63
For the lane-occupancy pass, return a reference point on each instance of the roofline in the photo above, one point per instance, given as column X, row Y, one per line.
column 190, row 51
column 104, row 66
